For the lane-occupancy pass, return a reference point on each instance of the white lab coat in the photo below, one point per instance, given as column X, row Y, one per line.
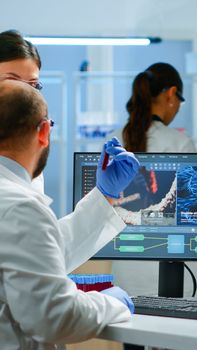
column 161, row 138
column 38, row 183
column 141, row 277
column 39, row 305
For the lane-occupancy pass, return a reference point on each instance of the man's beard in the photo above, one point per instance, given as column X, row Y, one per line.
column 42, row 161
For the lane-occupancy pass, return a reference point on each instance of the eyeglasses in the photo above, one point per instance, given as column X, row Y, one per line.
column 178, row 94
column 50, row 121
column 180, row 97
column 35, row 84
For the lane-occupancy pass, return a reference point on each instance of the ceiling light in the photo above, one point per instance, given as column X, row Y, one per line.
column 118, row 41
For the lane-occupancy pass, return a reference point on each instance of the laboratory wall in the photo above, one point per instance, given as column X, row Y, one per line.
column 174, row 52
column 58, row 65
column 95, row 101
column 168, row 19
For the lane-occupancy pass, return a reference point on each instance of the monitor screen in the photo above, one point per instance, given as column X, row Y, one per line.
column 159, row 207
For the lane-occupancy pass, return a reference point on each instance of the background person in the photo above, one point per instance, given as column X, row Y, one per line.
column 156, row 96
column 20, row 60
column 40, row 306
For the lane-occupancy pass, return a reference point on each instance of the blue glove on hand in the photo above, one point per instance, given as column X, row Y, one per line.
column 120, row 170
column 121, row 295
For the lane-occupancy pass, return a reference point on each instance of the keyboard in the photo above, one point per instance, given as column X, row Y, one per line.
column 169, row 307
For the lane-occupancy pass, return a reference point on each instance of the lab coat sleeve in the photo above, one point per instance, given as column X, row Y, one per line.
column 89, row 228
column 43, row 301
column 188, row 146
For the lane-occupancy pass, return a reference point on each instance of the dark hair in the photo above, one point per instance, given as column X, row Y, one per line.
column 146, row 85
column 13, row 46
column 21, row 109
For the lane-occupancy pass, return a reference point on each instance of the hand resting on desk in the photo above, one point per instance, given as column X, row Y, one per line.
column 121, row 295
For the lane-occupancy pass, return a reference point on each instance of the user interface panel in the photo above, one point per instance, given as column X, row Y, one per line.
column 159, row 207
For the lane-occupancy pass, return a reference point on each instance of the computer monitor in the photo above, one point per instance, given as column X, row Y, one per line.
column 160, row 210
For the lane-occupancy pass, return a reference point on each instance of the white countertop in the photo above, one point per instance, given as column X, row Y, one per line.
column 166, row 332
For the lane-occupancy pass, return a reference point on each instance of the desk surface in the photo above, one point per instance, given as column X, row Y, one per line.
column 154, row 331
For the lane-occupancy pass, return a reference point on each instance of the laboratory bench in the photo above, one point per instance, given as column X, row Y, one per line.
column 154, row 331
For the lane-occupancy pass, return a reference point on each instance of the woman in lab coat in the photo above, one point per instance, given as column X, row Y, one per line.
column 20, row 60
column 154, row 103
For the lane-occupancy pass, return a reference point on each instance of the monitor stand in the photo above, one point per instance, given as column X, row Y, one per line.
column 171, row 279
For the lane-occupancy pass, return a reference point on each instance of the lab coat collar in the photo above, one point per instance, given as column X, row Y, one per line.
column 5, row 172
column 156, row 118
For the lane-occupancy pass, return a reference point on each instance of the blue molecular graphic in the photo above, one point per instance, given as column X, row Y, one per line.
column 187, row 196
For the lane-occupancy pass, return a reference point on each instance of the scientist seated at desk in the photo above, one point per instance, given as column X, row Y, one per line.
column 40, row 306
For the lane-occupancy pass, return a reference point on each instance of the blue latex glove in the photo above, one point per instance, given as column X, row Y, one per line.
column 120, row 170
column 121, row 295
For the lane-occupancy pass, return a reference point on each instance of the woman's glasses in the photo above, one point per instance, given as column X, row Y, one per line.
column 180, row 97
column 34, row 83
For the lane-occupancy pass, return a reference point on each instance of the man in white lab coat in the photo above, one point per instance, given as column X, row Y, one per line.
column 39, row 305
